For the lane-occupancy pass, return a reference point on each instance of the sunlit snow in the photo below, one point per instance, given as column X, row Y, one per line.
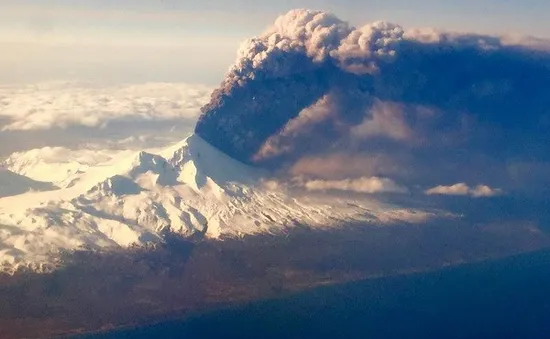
column 185, row 188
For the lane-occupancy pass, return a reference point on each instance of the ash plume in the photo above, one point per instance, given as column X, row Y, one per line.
column 291, row 66
column 312, row 86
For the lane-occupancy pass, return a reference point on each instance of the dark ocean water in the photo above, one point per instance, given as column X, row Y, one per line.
column 509, row 298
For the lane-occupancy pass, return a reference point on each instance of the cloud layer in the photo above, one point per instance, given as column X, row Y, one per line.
column 50, row 105
column 94, row 116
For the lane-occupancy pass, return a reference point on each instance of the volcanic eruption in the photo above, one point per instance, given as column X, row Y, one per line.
column 314, row 87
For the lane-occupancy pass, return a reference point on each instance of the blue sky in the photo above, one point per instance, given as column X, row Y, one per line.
column 195, row 41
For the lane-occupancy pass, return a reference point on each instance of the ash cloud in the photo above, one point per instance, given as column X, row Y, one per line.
column 312, row 87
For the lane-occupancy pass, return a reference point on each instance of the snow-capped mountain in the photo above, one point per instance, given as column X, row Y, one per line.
column 186, row 188
column 59, row 165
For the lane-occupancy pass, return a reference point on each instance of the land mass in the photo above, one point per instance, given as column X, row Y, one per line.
column 97, row 291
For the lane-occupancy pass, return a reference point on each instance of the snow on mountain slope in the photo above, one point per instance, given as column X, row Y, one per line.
column 59, row 165
column 186, row 188
column 14, row 184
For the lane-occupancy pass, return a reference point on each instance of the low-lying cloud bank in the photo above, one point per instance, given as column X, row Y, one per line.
column 313, row 91
column 62, row 105
column 93, row 116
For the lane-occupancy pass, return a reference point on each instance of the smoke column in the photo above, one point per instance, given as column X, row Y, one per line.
column 313, row 86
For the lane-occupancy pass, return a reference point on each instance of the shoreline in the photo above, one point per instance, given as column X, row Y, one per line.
column 113, row 291
column 185, row 316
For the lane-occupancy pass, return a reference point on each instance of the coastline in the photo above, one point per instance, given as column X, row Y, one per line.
column 129, row 289
column 187, row 316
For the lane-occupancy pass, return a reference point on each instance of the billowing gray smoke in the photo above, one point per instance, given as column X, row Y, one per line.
column 312, row 87
column 288, row 68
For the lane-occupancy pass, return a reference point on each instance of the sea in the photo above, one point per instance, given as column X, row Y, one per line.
column 505, row 298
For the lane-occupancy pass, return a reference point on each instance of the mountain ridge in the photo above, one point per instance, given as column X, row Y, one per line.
column 184, row 189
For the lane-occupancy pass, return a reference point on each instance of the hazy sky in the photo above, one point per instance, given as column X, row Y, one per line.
column 195, row 41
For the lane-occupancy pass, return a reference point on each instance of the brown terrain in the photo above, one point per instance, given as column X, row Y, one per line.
column 100, row 291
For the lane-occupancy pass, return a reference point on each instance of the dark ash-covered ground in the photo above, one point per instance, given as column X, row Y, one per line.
column 101, row 291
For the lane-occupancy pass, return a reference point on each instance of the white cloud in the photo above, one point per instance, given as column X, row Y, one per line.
column 361, row 185
column 484, row 191
column 457, row 189
column 45, row 106
column 479, row 191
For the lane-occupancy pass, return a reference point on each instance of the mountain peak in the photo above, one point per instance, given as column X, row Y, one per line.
column 185, row 188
